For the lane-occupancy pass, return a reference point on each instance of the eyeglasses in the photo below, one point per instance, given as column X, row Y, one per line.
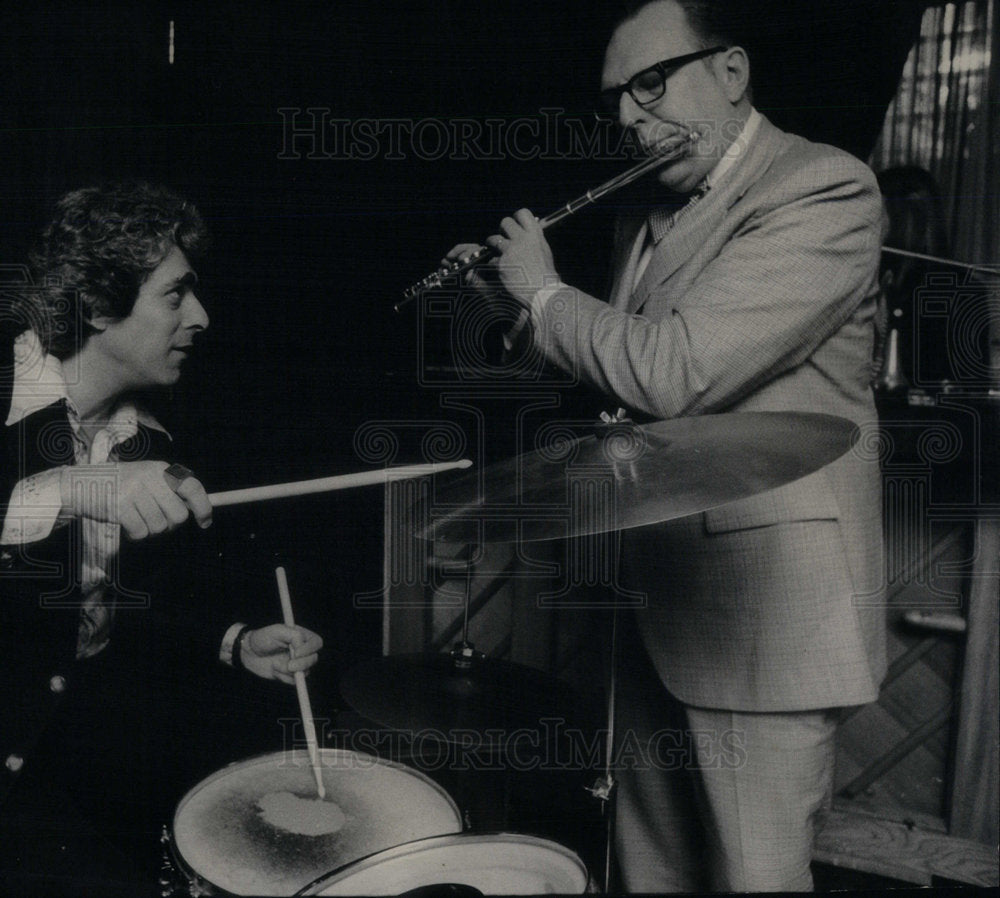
column 647, row 86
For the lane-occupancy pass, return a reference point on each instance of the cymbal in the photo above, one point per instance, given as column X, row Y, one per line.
column 623, row 475
column 430, row 696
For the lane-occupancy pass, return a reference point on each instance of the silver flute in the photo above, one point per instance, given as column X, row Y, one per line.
column 670, row 149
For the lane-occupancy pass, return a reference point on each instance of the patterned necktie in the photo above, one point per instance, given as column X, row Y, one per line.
column 100, row 544
column 663, row 218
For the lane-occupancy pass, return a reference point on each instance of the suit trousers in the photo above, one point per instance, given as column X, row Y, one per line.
column 714, row 799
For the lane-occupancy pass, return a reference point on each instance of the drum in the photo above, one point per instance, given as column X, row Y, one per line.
column 257, row 827
column 497, row 864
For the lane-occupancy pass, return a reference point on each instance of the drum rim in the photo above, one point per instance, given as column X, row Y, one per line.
column 302, row 753
column 178, row 857
column 502, row 836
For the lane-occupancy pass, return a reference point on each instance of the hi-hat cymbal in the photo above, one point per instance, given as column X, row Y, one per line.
column 630, row 476
column 430, row 697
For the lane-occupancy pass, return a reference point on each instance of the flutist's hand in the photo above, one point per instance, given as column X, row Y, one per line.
column 524, row 259
column 523, row 263
column 482, row 278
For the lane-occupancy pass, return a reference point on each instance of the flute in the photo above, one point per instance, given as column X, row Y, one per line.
column 666, row 152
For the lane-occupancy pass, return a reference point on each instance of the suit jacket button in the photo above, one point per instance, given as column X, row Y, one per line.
column 6, row 559
column 14, row 763
column 57, row 684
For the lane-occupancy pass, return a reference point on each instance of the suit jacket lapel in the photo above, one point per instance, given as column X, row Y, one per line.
column 696, row 224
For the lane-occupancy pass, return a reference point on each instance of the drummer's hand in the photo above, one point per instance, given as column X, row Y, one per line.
column 142, row 501
column 265, row 652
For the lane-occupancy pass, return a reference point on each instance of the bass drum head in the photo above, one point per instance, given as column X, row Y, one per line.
column 257, row 827
column 497, row 864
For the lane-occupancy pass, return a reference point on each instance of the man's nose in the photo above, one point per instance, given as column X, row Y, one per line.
column 195, row 316
column 629, row 112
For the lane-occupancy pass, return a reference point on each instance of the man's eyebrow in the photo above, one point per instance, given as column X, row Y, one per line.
column 188, row 279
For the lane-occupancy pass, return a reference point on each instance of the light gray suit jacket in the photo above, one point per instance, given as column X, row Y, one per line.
column 761, row 298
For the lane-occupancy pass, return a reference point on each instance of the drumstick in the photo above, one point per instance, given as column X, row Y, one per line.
column 328, row 484
column 300, row 685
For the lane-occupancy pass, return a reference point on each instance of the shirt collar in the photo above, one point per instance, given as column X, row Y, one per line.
column 38, row 382
column 735, row 151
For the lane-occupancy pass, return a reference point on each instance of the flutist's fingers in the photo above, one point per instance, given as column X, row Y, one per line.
column 478, row 277
column 523, row 219
column 524, row 259
column 460, row 253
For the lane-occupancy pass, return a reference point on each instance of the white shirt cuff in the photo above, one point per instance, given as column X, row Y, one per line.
column 228, row 643
column 535, row 310
column 35, row 504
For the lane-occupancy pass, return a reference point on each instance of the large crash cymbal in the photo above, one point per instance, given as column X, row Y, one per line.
column 429, row 696
column 623, row 475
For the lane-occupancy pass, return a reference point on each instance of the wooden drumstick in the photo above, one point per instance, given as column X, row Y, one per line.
column 329, row 484
column 300, row 685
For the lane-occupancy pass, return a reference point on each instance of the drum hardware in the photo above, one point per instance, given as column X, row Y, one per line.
column 660, row 471
column 489, row 863
column 174, row 882
column 464, row 653
column 656, row 472
column 223, row 841
column 604, row 785
column 443, row 695
column 968, row 266
column 453, row 692
column 891, row 377
column 443, row 890
column 462, row 704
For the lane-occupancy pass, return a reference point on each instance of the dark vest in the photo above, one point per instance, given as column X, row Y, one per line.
column 39, row 587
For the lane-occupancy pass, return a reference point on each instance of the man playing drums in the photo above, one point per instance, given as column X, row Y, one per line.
column 94, row 661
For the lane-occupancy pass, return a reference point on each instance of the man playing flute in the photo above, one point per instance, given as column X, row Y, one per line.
column 90, row 653
column 748, row 284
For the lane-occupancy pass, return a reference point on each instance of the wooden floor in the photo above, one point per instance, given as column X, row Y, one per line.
column 827, row 878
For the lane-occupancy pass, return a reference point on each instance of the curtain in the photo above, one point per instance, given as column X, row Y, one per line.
column 944, row 119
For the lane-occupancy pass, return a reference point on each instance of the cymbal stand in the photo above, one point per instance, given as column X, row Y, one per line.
column 464, row 653
column 604, row 786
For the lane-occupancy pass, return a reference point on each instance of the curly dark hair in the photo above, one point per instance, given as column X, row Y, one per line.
column 97, row 251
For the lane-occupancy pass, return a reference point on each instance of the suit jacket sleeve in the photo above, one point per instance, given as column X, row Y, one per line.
column 797, row 264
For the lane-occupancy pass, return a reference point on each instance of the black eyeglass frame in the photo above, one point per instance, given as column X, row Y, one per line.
column 610, row 99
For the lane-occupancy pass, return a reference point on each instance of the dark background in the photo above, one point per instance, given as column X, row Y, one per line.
column 310, row 255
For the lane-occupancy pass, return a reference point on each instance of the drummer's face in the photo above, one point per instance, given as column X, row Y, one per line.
column 148, row 347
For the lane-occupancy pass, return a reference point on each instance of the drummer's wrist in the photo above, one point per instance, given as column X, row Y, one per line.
column 228, row 652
